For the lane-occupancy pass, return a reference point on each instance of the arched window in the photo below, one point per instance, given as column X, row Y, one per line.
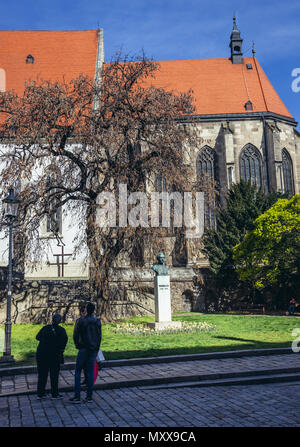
column 161, row 184
column 206, row 172
column 250, row 165
column 54, row 214
column 287, row 170
column 206, row 162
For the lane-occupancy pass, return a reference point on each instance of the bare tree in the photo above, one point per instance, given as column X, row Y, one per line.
column 90, row 137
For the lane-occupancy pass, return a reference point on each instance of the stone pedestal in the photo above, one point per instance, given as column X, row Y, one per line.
column 163, row 316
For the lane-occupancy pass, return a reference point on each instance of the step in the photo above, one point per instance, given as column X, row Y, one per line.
column 163, row 359
column 272, row 378
column 196, row 379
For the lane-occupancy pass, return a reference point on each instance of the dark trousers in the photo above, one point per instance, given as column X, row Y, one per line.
column 292, row 309
column 44, row 366
column 85, row 360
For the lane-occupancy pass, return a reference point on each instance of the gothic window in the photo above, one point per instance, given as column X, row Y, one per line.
column 250, row 165
column 206, row 172
column 54, row 215
column 161, row 184
column 206, row 163
column 287, row 170
column 230, row 176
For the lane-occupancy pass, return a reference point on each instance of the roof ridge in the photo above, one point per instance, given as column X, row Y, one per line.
column 48, row 30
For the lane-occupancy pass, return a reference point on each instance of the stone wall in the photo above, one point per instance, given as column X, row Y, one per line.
column 132, row 293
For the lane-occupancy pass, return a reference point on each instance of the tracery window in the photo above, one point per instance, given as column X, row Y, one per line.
column 206, row 172
column 287, row 171
column 250, row 165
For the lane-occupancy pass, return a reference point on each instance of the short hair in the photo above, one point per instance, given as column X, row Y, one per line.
column 56, row 319
column 90, row 307
column 82, row 307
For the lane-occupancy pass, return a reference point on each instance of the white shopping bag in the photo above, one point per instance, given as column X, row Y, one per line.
column 100, row 357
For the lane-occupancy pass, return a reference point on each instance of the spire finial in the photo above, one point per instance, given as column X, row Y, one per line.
column 234, row 22
column 253, row 49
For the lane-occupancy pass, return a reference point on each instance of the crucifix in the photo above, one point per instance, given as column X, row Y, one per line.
column 61, row 264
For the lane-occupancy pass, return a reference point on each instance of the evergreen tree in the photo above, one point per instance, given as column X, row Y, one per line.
column 243, row 205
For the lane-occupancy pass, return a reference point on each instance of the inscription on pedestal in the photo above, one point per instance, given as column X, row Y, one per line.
column 162, row 294
column 162, row 298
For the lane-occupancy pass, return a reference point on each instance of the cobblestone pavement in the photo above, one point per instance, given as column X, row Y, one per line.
column 23, row 383
column 225, row 406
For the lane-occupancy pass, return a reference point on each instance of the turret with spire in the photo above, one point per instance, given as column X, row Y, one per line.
column 236, row 45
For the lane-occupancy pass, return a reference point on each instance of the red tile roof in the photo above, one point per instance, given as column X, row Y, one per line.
column 218, row 85
column 57, row 55
column 221, row 87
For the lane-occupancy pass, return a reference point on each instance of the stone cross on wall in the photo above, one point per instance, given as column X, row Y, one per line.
column 61, row 263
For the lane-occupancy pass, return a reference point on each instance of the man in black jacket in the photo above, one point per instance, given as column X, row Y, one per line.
column 49, row 355
column 87, row 339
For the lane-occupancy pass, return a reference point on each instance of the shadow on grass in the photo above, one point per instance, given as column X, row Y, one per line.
column 29, row 359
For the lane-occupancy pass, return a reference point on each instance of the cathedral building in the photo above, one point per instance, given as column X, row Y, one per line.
column 245, row 132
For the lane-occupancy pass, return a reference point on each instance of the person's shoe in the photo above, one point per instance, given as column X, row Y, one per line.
column 43, row 396
column 58, row 396
column 88, row 400
column 75, row 400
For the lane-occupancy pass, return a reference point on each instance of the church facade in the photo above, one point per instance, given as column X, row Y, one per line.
column 245, row 132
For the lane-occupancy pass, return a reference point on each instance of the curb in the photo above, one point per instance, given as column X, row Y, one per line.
column 163, row 359
column 243, row 377
column 274, row 378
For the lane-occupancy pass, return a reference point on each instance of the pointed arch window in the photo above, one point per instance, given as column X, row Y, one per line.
column 206, row 171
column 250, row 165
column 206, row 162
column 161, row 184
column 287, row 171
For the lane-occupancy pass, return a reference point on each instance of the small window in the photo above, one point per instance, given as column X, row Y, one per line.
column 249, row 66
column 29, row 59
column 249, row 105
column 230, row 176
column 237, row 49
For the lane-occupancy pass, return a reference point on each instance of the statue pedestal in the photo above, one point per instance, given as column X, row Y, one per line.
column 163, row 316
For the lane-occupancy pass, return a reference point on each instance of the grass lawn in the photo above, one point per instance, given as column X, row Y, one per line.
column 232, row 332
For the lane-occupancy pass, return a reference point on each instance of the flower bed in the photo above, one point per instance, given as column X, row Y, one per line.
column 143, row 330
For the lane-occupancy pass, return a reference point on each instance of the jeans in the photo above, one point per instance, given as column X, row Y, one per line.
column 85, row 359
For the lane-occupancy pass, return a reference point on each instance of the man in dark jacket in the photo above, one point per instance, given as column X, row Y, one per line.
column 87, row 339
column 49, row 355
column 82, row 311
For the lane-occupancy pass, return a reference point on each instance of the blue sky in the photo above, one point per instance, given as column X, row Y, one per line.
column 178, row 29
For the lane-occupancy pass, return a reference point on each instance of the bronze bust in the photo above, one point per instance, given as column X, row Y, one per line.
column 161, row 269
